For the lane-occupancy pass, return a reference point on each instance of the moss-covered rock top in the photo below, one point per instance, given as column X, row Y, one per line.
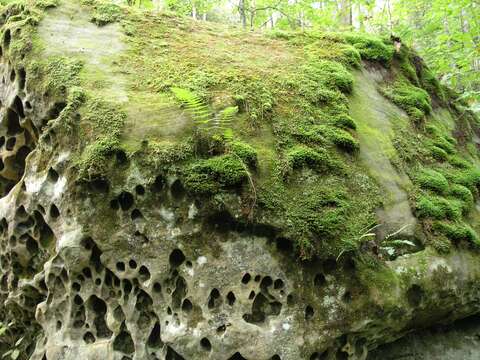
column 269, row 119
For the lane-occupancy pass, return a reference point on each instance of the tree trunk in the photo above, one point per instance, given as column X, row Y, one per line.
column 241, row 11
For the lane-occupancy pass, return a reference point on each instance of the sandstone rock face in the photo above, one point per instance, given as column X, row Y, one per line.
column 133, row 264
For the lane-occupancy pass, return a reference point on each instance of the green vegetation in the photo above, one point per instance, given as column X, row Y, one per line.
column 211, row 175
column 371, row 48
column 272, row 126
column 415, row 101
column 432, row 180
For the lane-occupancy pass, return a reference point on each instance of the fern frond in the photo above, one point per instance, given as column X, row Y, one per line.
column 198, row 110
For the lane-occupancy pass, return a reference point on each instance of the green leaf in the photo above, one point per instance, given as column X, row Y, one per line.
column 15, row 354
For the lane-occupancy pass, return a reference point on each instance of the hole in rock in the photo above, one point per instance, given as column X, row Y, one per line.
column 246, row 278
column 13, row 75
column 221, row 329
column 31, row 244
column 118, row 314
column 177, row 190
column 99, row 185
column 278, row 284
column 172, row 355
column 56, row 109
column 158, row 184
column 257, row 278
column 46, row 236
column 89, row 338
column 11, row 143
column 99, row 307
column 54, row 212
column 176, row 258
column 309, row 312
column 76, row 286
column 13, row 123
column 179, row 292
column 187, row 306
column 87, row 273
column 205, row 344
column 329, row 265
column 266, row 283
column 252, row 295
column 284, row 245
column 347, row 297
column 127, row 286
column 7, row 37
column 276, row 357
column 144, row 273
column 78, row 300
column 140, row 190
column 154, row 341
column 214, row 296
column 52, row 175
column 415, row 295
column 125, row 200
column 120, row 266
column 133, row 264
column 22, row 76
column 114, row 204
column 318, row 356
column 59, row 325
column 28, row 105
column 237, row 356
column 319, row 280
column 123, row 342
column 121, row 157
column 136, row 214
column 231, row 298
column 18, row 106
column 2, row 141
column 157, row 288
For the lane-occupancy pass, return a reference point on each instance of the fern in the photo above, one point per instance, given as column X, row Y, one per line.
column 198, row 110
column 203, row 117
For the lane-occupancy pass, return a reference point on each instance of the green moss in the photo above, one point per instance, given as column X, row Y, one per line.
column 300, row 156
column 322, row 134
column 245, row 152
column 329, row 74
column 463, row 193
column 415, row 101
column 437, row 207
column 457, row 232
column 104, row 13
column 94, row 160
column 343, row 121
column 214, row 174
column 438, row 153
column 432, row 180
column 57, row 73
column 469, row 178
column 319, row 214
column 371, row 48
column 104, row 124
column 409, row 71
column 105, row 118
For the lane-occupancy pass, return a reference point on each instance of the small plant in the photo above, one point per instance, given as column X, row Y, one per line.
column 15, row 346
column 203, row 118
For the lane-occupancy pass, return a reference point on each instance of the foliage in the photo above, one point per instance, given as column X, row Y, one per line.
column 371, row 48
column 415, row 101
